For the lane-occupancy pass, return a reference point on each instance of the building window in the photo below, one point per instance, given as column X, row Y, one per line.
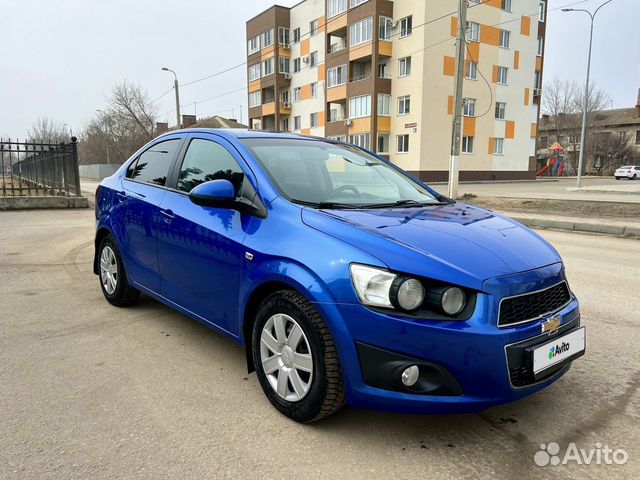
column 285, row 64
column 253, row 45
column 638, row 137
column 505, row 38
column 469, row 107
column 502, row 75
column 501, row 110
column 297, row 122
column 384, row 104
column 360, row 140
column 313, row 27
column 284, row 95
column 313, row 59
column 297, row 94
column 267, row 67
column 386, row 25
column 498, row 146
column 361, row 32
column 506, row 5
column 540, row 46
column 541, row 11
column 254, row 72
column 382, row 70
column 406, row 26
column 471, row 70
column 473, row 32
column 405, row 66
column 404, row 105
column 333, row 115
column 338, row 138
column 360, row 106
column 314, row 89
column 403, row 143
column 313, row 118
column 283, row 35
column 537, row 83
column 296, row 35
column 267, row 38
column 336, row 7
column 254, row 99
column 296, row 65
column 355, row 3
column 284, row 124
column 382, row 146
column 467, row 144
column 336, row 76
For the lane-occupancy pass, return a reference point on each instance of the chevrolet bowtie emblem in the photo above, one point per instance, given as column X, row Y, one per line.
column 551, row 325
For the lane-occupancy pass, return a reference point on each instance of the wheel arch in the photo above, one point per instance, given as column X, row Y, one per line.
column 100, row 235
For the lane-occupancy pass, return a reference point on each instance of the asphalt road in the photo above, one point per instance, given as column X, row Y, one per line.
column 91, row 391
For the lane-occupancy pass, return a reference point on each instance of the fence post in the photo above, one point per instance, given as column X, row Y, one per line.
column 76, row 168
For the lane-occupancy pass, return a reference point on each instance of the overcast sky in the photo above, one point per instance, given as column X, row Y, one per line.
column 59, row 58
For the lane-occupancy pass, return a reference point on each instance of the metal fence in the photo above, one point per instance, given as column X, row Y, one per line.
column 39, row 169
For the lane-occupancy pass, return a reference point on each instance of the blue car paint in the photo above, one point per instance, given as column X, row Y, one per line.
column 201, row 270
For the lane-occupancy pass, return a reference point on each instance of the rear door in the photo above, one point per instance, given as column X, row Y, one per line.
column 200, row 249
column 143, row 189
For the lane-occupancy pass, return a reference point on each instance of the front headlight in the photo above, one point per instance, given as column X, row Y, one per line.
column 372, row 285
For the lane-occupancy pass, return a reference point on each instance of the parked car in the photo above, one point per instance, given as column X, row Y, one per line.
column 631, row 172
column 345, row 279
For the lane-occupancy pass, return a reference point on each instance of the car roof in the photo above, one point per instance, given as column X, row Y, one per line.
column 240, row 133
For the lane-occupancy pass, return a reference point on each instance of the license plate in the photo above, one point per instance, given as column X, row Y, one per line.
column 558, row 350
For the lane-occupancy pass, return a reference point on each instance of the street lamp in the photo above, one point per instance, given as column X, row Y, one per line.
column 586, row 89
column 175, row 86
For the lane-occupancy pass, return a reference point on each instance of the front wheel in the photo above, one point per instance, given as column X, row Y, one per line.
column 113, row 278
column 295, row 358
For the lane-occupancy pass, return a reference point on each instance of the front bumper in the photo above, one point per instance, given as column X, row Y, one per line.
column 473, row 353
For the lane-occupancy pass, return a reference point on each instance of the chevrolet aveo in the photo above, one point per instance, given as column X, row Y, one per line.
column 345, row 279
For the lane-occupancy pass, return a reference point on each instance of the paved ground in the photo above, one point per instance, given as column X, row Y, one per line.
column 91, row 391
column 597, row 189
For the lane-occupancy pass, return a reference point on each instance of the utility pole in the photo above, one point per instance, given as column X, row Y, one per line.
column 175, row 87
column 457, row 100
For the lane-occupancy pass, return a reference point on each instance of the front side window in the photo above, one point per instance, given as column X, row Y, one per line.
column 314, row 89
column 360, row 140
column 540, row 48
column 285, row 64
column 541, row 11
column 360, row 106
column 313, row 171
column 313, row 27
column 361, row 32
column 253, row 45
column 297, row 122
column 467, row 144
column 313, row 119
column 506, row 5
column 502, row 75
column 254, row 99
column 297, row 94
column 404, row 105
column 267, row 67
column 406, row 26
column 498, row 146
column 283, row 35
column 405, row 66
column 403, row 143
column 296, row 65
column 296, row 35
column 254, row 72
column 152, row 166
column 383, row 144
column 313, row 59
column 206, row 160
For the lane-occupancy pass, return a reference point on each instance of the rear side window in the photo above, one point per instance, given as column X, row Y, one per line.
column 153, row 164
column 206, row 160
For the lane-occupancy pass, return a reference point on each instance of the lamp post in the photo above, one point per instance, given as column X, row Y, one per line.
column 586, row 89
column 175, row 87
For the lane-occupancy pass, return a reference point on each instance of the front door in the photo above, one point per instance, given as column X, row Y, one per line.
column 200, row 250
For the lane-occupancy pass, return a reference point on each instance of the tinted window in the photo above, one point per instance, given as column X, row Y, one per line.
column 206, row 160
column 153, row 164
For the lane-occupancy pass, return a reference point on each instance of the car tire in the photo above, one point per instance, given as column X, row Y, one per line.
column 113, row 278
column 634, row 177
column 324, row 393
column 617, row 178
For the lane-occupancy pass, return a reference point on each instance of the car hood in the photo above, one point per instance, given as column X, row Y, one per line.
column 457, row 243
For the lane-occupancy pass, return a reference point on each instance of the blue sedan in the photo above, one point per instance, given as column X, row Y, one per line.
column 345, row 279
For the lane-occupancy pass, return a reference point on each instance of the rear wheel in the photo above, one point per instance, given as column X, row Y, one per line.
column 634, row 177
column 296, row 360
column 113, row 278
column 617, row 178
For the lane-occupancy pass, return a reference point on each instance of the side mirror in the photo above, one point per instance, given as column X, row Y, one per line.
column 222, row 194
column 215, row 193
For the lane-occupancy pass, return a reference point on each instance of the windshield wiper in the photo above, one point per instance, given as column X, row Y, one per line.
column 405, row 203
column 327, row 205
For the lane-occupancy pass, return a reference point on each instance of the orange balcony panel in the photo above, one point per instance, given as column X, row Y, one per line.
column 284, row 110
column 254, row 86
column 305, row 47
column 525, row 25
column 449, row 67
column 336, row 93
column 322, row 73
column 284, row 52
column 510, row 129
column 360, row 125
column 474, row 51
column 384, row 48
column 450, row 105
column 337, row 23
column 267, row 52
column 527, row 96
column 454, row 26
column 305, row 92
column 384, row 124
column 516, row 60
column 490, row 145
column 269, row 109
column 490, row 35
column 538, row 64
column 469, row 126
column 360, row 51
column 534, row 130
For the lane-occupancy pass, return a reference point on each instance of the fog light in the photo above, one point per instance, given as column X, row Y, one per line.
column 410, row 375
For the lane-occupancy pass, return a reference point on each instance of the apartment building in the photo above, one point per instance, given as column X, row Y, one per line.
column 380, row 74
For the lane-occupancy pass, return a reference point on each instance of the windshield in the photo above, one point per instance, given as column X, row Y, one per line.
column 341, row 176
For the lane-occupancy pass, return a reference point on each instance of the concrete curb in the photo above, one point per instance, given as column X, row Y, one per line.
column 578, row 226
column 31, row 203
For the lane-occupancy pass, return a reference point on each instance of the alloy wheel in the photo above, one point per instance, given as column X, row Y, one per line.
column 286, row 357
column 108, row 270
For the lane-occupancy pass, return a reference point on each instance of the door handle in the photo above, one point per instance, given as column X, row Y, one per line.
column 168, row 216
column 122, row 197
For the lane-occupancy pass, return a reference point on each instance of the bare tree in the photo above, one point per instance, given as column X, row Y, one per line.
column 47, row 130
column 609, row 150
column 127, row 123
